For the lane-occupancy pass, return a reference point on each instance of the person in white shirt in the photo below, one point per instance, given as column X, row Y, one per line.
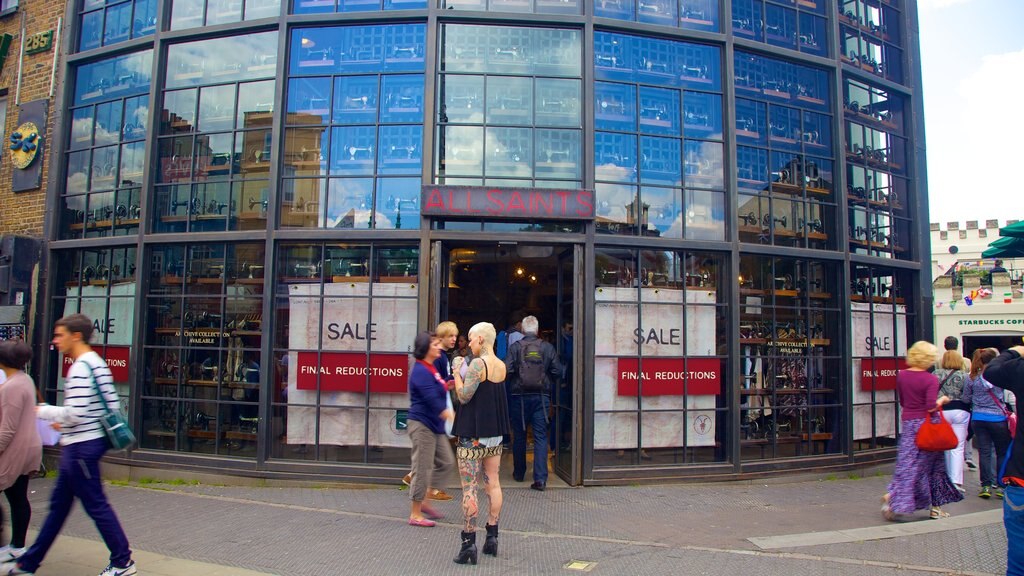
column 83, row 442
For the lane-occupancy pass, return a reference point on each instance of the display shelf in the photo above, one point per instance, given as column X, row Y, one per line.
column 876, row 299
column 752, row 292
column 245, row 333
column 815, row 236
column 165, row 381
column 355, row 279
column 783, row 391
column 250, row 281
column 756, row 230
column 754, row 341
column 786, row 293
column 203, row 434
column 239, row 435
column 819, row 295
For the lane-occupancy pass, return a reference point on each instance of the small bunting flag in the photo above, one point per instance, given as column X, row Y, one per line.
column 969, row 300
column 1007, row 297
column 952, row 304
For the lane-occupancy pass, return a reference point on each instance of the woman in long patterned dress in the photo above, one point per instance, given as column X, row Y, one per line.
column 920, row 480
column 481, row 419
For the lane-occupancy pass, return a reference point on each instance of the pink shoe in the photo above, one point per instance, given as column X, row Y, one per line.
column 423, row 522
column 430, row 512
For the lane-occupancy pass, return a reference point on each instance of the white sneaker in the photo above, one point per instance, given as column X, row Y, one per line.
column 11, row 569
column 8, row 554
column 111, row 570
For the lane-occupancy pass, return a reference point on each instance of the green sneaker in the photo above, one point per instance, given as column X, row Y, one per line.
column 999, row 493
column 985, row 492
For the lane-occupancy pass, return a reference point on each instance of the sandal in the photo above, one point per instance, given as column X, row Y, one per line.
column 887, row 512
column 937, row 513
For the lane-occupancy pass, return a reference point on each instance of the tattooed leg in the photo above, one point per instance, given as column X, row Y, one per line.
column 469, row 472
column 492, row 485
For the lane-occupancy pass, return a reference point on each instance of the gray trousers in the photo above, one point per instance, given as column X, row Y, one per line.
column 431, row 458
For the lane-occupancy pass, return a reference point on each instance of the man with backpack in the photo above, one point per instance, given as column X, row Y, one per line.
column 532, row 367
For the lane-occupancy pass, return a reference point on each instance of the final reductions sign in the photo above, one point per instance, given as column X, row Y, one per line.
column 494, row 202
column 113, row 321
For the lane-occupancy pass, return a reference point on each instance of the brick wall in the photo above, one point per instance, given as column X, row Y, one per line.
column 22, row 213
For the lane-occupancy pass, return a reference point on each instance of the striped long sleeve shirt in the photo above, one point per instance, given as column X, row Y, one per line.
column 79, row 416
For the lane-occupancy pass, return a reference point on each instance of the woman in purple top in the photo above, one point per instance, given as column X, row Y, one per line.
column 431, row 453
column 920, row 479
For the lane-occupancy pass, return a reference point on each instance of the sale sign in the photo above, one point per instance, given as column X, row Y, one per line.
column 879, row 373
column 670, row 376
column 348, row 372
column 116, row 358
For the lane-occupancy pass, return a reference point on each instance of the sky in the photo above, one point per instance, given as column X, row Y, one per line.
column 972, row 60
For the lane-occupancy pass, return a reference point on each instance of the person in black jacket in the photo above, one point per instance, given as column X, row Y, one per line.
column 531, row 401
column 1007, row 372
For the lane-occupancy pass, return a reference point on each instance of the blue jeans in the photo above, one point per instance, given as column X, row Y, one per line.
column 1013, row 521
column 530, row 409
column 79, row 477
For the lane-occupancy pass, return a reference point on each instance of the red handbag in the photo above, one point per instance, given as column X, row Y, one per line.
column 936, row 436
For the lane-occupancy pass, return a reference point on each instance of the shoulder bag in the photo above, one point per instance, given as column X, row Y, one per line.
column 115, row 426
column 1011, row 418
column 936, row 436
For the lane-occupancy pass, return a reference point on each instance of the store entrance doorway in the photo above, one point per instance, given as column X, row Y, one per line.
column 502, row 282
column 999, row 341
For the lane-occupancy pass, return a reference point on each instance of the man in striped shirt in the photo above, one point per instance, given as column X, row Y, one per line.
column 83, row 443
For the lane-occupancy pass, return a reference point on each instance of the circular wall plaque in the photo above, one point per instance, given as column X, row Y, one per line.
column 24, row 145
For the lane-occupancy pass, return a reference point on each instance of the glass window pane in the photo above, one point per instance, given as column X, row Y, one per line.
column 402, row 98
column 702, row 115
column 660, row 161
column 559, row 154
column 400, row 150
column 81, row 128
column 398, row 203
column 179, row 113
column 509, row 152
column 309, row 101
column 350, row 203
column 255, row 104
column 352, row 150
column 216, row 108
column 659, row 111
column 615, row 106
column 704, row 166
column 558, row 102
column 355, row 99
column 509, row 100
column 462, row 99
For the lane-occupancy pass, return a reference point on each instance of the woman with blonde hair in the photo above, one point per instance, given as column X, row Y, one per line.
column 481, row 419
column 920, row 479
column 957, row 411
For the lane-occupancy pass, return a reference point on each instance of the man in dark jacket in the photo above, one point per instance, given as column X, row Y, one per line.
column 1007, row 372
column 532, row 368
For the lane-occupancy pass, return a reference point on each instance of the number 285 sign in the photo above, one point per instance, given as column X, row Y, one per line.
column 39, row 42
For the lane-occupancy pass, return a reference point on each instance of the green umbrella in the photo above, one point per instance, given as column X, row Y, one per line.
column 1005, row 248
column 1015, row 230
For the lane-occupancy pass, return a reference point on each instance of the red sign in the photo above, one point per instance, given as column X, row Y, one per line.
column 348, row 372
column 491, row 202
column 879, row 373
column 116, row 358
column 670, row 376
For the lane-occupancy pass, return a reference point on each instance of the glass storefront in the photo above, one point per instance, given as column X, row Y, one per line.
column 260, row 216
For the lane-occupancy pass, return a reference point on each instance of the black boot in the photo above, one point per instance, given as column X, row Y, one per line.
column 491, row 544
column 467, row 555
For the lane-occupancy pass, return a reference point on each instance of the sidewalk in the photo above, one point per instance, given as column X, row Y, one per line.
column 726, row 529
